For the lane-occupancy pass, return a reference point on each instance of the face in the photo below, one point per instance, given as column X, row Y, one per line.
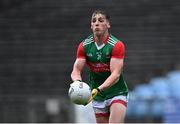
column 99, row 24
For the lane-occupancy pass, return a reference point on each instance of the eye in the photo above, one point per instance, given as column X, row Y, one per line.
column 94, row 20
column 101, row 20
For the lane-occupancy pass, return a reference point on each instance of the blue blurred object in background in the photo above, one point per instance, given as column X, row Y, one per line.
column 160, row 87
column 174, row 83
column 172, row 113
column 159, row 98
column 144, row 95
column 144, row 91
column 137, row 108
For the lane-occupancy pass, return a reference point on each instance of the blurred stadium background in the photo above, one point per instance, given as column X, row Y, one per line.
column 38, row 40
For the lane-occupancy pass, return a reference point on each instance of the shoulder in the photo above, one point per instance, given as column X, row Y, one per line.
column 114, row 41
column 88, row 40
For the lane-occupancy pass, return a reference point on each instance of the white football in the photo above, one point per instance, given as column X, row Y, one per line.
column 79, row 92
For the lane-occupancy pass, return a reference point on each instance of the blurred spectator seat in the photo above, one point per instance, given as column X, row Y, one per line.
column 160, row 87
column 172, row 113
column 143, row 95
column 158, row 108
column 131, row 104
column 174, row 83
column 144, row 91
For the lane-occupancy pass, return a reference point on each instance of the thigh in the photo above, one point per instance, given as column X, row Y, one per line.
column 117, row 113
column 118, row 106
column 101, row 112
column 102, row 119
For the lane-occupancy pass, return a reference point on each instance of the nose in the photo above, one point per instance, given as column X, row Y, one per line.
column 97, row 23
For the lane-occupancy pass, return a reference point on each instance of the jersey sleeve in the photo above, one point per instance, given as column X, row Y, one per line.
column 80, row 51
column 118, row 50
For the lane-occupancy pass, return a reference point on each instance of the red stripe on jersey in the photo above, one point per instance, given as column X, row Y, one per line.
column 118, row 50
column 99, row 67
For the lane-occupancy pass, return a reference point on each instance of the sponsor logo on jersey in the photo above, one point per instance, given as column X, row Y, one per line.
column 89, row 55
column 99, row 67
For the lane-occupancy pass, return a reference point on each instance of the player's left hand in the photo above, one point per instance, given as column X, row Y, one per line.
column 94, row 93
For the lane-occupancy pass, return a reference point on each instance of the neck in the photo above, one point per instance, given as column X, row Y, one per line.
column 101, row 38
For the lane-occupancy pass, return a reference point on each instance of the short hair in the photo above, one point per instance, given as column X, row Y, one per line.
column 103, row 12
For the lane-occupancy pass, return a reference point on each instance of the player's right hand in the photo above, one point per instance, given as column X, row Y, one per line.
column 76, row 81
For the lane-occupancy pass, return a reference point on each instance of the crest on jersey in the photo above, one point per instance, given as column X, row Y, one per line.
column 99, row 55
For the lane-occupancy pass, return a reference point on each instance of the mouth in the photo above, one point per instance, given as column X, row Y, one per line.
column 97, row 29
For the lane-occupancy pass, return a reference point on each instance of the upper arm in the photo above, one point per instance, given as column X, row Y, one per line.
column 116, row 65
column 79, row 64
column 80, row 58
column 118, row 50
column 77, row 69
column 117, row 59
column 80, row 51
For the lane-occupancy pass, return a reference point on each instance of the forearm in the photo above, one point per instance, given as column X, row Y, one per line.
column 76, row 76
column 116, row 66
column 77, row 69
column 111, row 80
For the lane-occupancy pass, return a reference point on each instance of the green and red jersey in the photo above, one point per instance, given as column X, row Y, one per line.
column 98, row 60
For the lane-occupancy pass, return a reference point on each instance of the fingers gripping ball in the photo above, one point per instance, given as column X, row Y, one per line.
column 93, row 94
column 79, row 92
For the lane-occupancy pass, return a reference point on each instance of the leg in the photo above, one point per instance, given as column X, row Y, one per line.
column 102, row 119
column 117, row 112
column 101, row 111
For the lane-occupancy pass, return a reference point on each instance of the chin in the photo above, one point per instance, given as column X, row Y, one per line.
column 97, row 33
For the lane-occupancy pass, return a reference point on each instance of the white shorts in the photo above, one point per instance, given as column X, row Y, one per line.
column 101, row 108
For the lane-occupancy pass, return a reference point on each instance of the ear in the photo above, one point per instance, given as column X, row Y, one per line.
column 108, row 25
column 90, row 25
